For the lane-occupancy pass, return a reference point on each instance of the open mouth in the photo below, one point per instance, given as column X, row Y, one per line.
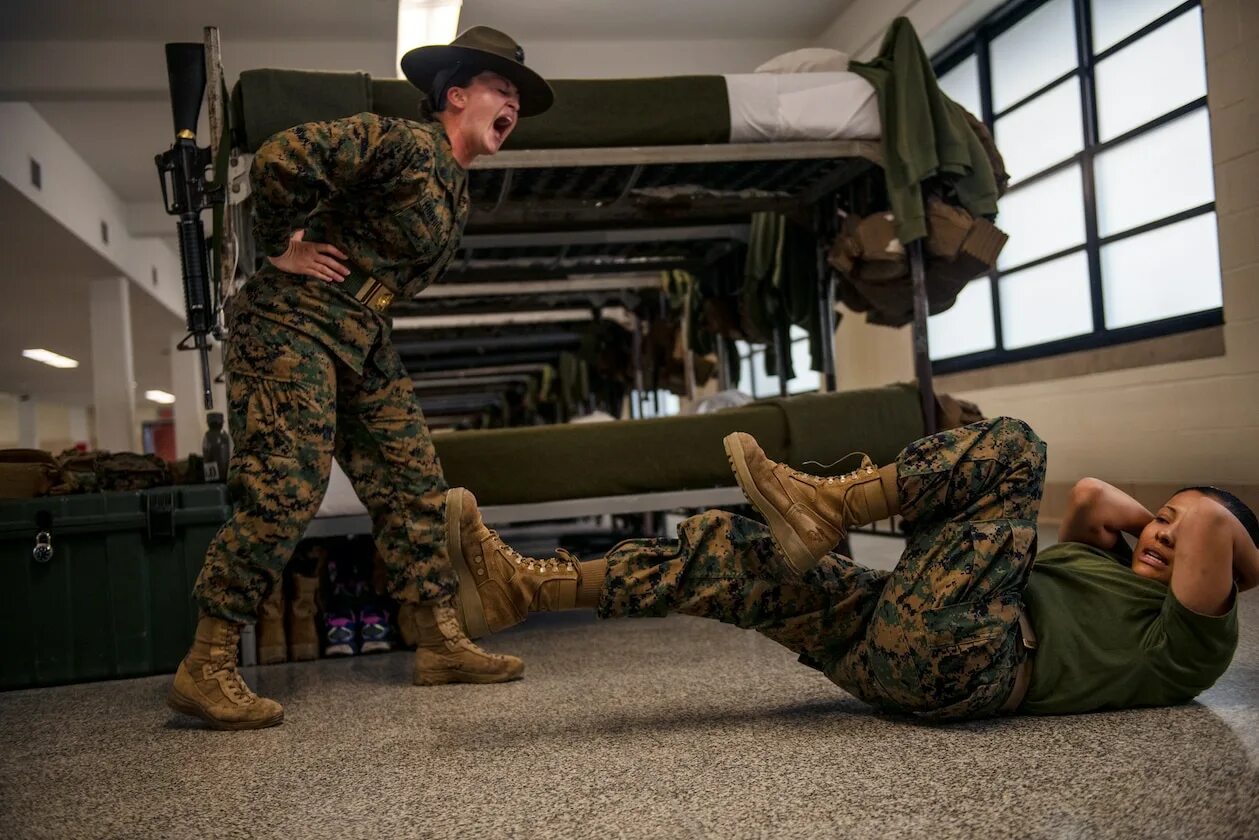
column 1152, row 558
column 503, row 126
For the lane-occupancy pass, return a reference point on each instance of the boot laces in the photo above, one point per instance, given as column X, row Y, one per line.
column 237, row 689
column 548, row 565
column 234, row 686
column 865, row 469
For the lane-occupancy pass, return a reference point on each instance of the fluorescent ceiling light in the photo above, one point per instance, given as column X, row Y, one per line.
column 50, row 358
column 159, row 397
column 425, row 22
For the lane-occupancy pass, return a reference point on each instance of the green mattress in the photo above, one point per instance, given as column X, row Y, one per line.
column 666, row 111
column 549, row 463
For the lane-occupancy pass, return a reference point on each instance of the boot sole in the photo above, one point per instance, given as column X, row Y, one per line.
column 449, row 677
column 184, row 706
column 784, row 536
column 303, row 653
column 469, row 601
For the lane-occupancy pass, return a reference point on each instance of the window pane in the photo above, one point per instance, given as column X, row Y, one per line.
column 1045, row 303
column 670, row 404
column 746, row 384
column 1154, row 175
column 1032, row 53
column 967, row 326
column 1157, row 74
column 1114, row 20
column 766, row 385
column 1173, row 270
column 1026, row 146
column 801, row 359
column 961, row 84
column 1042, row 218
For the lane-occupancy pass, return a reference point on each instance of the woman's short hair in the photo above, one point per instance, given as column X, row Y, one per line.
column 457, row 75
column 1233, row 505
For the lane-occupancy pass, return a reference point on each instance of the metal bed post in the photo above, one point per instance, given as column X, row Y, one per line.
column 723, row 362
column 824, row 230
column 636, row 404
column 922, row 357
column 782, row 341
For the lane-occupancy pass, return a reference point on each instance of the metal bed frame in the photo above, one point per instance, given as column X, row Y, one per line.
column 595, row 215
column 539, row 213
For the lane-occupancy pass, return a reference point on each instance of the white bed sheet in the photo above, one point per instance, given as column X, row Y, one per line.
column 340, row 500
column 779, row 107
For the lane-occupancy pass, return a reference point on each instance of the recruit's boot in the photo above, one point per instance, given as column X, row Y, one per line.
column 272, row 647
column 303, row 631
column 446, row 655
column 406, row 624
column 808, row 515
column 207, row 684
column 498, row 587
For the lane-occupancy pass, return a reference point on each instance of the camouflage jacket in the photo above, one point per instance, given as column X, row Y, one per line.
column 387, row 192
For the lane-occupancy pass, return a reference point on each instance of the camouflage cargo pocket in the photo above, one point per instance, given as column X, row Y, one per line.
column 281, row 393
column 964, row 643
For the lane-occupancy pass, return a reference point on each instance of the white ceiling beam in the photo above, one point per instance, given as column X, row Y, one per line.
column 149, row 218
column 59, row 71
column 84, row 205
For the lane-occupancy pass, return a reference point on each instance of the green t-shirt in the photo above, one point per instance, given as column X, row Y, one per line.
column 1108, row 638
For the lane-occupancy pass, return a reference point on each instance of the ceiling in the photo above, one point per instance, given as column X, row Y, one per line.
column 163, row 20
column 338, row 20
column 44, row 277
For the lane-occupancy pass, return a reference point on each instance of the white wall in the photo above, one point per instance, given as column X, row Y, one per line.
column 53, row 421
column 616, row 59
column 858, row 30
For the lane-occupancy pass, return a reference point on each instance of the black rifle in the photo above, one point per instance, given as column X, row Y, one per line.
column 184, row 166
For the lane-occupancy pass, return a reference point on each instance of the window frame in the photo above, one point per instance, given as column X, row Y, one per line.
column 977, row 43
column 755, row 357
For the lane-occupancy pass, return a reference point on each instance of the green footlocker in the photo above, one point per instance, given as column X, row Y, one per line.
column 98, row 586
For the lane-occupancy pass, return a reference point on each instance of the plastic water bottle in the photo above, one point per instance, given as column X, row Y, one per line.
column 216, row 448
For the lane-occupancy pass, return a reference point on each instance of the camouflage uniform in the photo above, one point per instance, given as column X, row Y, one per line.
column 311, row 370
column 937, row 636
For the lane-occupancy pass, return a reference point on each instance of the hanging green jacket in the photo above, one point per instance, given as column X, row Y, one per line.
column 925, row 134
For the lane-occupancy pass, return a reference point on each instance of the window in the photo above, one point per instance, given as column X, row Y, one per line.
column 755, row 381
column 1099, row 110
column 658, row 403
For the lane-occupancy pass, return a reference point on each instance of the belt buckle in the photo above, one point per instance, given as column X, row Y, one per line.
column 381, row 301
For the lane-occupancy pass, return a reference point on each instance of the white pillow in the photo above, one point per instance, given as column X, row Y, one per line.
column 807, row 60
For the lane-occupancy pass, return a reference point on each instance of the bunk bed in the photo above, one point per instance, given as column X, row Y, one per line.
column 608, row 187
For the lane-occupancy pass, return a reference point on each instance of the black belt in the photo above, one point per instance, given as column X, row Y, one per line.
column 368, row 291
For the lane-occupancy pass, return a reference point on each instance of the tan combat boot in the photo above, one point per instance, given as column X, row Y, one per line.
column 406, row 624
column 272, row 647
column 446, row 655
column 303, row 632
column 498, row 587
column 808, row 515
column 208, row 686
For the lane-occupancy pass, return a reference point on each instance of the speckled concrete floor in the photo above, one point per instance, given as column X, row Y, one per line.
column 651, row 728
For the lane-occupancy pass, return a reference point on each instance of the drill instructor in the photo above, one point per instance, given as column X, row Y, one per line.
column 353, row 213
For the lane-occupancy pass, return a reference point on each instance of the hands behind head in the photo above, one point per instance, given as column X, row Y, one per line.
column 312, row 259
column 1245, row 559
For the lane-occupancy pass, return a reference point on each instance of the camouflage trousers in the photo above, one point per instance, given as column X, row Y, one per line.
column 292, row 406
column 937, row 636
